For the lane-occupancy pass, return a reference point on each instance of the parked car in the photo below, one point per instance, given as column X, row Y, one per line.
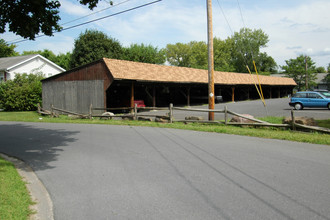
column 139, row 103
column 310, row 99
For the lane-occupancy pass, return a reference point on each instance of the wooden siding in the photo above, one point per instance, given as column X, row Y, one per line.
column 74, row 96
column 93, row 71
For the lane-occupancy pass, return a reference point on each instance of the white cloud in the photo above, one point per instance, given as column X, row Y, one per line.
column 73, row 8
column 293, row 29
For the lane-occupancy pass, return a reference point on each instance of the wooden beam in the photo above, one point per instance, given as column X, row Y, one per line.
column 233, row 94
column 132, row 95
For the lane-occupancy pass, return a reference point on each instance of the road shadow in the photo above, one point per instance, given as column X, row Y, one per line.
column 38, row 147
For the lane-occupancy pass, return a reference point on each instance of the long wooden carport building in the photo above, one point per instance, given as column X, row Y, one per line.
column 117, row 83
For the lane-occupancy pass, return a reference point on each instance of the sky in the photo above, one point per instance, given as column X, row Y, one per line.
column 294, row 27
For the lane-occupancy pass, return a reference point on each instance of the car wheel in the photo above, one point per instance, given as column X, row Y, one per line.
column 329, row 106
column 298, row 106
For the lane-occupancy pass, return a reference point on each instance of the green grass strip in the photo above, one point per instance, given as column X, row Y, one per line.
column 272, row 133
column 14, row 196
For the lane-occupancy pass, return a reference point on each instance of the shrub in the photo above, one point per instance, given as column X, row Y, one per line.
column 23, row 93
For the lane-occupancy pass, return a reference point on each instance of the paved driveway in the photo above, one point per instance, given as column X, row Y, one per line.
column 274, row 107
column 122, row 172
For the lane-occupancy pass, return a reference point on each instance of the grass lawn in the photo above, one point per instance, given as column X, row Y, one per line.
column 14, row 197
column 274, row 133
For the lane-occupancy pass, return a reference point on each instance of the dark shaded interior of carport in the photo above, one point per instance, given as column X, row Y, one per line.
column 122, row 92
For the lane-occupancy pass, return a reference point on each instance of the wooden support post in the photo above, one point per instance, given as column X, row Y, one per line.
column 52, row 110
column 233, row 94
column 226, row 114
column 279, row 93
column 154, row 97
column 39, row 108
column 132, row 96
column 135, row 112
column 171, row 113
column 293, row 120
column 90, row 111
column 270, row 93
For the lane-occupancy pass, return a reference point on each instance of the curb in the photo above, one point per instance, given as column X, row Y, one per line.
column 38, row 192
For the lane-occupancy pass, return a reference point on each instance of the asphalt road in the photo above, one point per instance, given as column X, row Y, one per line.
column 122, row 172
column 274, row 107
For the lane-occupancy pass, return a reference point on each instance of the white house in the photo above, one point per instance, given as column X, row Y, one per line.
column 30, row 64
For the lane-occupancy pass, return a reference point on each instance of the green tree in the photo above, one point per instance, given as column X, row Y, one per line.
column 222, row 55
column 28, row 18
column 144, row 53
column 63, row 60
column 198, row 54
column 327, row 77
column 192, row 54
column 296, row 69
column 7, row 50
column 232, row 54
column 23, row 93
column 320, row 69
column 48, row 54
column 178, row 54
column 247, row 45
column 94, row 45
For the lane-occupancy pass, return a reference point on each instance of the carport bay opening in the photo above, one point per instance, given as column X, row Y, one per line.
column 121, row 92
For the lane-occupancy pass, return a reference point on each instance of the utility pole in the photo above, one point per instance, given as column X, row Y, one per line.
column 306, row 77
column 210, row 59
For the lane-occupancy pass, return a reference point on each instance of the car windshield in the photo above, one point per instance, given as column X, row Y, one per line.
column 326, row 94
column 300, row 95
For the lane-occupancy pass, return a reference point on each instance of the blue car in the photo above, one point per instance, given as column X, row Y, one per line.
column 310, row 99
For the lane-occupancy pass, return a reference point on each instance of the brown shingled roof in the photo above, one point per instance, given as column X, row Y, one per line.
column 122, row 69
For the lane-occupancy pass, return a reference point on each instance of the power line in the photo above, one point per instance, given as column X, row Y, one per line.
column 240, row 9
column 94, row 20
column 85, row 16
column 232, row 33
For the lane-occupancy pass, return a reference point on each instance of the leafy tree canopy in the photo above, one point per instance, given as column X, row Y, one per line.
column 7, row 50
column 144, row 53
column 232, row 54
column 327, row 77
column 28, row 18
column 247, row 45
column 296, row 69
column 94, row 45
column 178, row 54
column 48, row 54
column 320, row 69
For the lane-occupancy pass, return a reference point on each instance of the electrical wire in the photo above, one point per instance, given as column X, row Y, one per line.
column 232, row 33
column 77, row 19
column 93, row 13
column 94, row 20
column 259, row 90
